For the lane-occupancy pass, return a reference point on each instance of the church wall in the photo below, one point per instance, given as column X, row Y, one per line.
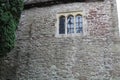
column 41, row 55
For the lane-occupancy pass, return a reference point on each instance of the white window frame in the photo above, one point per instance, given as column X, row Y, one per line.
column 66, row 14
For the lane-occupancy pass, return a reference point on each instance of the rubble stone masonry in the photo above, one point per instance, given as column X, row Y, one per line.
column 40, row 55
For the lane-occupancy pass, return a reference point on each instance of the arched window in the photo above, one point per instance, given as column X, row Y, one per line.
column 62, row 25
column 79, row 24
column 70, row 24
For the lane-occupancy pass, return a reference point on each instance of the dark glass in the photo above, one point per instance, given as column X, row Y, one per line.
column 62, row 25
column 79, row 24
column 70, row 24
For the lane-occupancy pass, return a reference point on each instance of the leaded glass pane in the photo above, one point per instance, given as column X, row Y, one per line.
column 79, row 24
column 70, row 24
column 62, row 25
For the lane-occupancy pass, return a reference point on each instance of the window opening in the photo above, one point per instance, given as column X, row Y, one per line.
column 79, row 24
column 62, row 25
column 70, row 24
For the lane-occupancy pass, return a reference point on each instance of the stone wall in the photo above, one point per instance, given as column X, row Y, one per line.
column 40, row 55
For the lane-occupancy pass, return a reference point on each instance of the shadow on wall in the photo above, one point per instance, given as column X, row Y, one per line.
column 53, row 2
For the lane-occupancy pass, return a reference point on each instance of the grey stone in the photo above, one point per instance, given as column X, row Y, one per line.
column 40, row 55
